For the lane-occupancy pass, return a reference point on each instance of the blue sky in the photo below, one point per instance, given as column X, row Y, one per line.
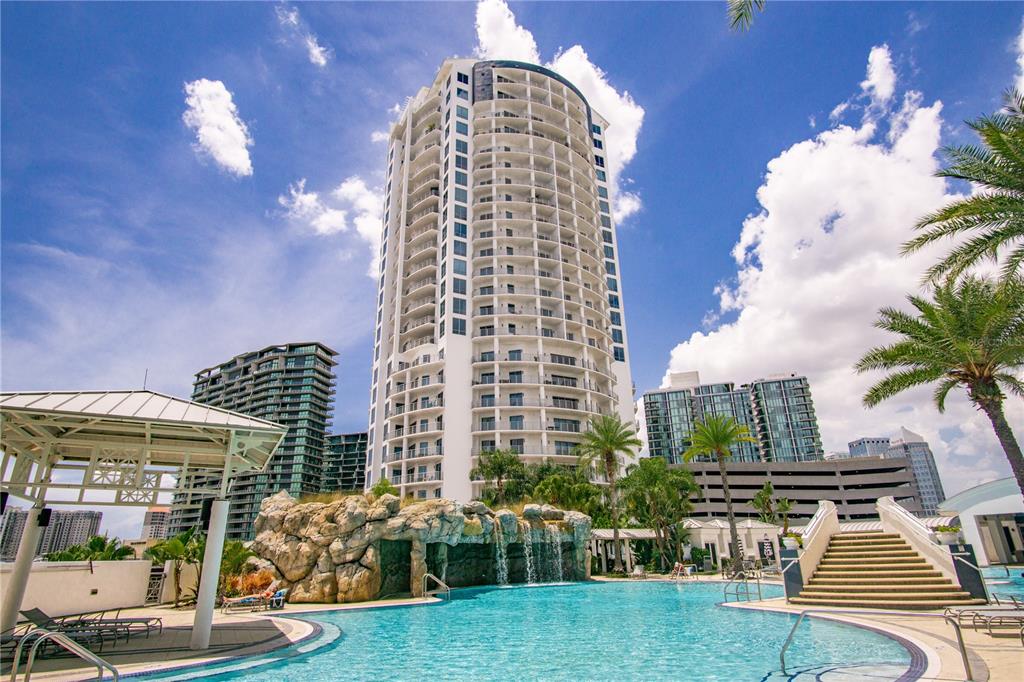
column 127, row 246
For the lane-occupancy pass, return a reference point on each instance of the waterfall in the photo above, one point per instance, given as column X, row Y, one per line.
column 501, row 556
column 555, row 551
column 531, row 577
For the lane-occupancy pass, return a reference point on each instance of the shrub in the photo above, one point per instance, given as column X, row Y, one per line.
column 383, row 487
column 254, row 583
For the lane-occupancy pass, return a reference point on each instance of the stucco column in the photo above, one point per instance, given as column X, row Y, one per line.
column 14, row 589
column 203, row 622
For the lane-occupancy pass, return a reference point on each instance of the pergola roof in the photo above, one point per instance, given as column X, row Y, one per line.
column 129, row 442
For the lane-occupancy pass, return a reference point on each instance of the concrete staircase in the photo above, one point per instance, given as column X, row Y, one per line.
column 879, row 570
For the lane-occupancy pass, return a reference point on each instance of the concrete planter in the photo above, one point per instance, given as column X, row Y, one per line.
column 950, row 538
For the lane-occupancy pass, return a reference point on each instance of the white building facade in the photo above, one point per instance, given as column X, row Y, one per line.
column 500, row 318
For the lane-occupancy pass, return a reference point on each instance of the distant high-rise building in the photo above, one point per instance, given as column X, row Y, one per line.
column 500, row 320
column 156, row 523
column 912, row 446
column 778, row 412
column 345, row 462
column 65, row 529
column 868, row 447
column 291, row 384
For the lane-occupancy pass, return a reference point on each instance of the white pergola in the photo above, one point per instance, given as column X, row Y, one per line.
column 124, row 448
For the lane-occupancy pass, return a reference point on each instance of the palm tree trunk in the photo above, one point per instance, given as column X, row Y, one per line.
column 609, row 470
column 734, row 538
column 994, row 410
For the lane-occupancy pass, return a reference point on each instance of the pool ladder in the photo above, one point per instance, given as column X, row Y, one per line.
column 444, row 588
column 41, row 635
column 739, row 587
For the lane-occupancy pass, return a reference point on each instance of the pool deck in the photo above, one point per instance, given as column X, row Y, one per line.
column 241, row 634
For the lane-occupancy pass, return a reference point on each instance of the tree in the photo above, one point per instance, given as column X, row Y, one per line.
column 992, row 219
column 764, row 503
column 96, row 548
column 659, row 497
column 178, row 550
column 970, row 336
column 784, row 506
column 741, row 13
column 713, row 437
column 234, row 561
column 499, row 466
column 570, row 488
column 608, row 438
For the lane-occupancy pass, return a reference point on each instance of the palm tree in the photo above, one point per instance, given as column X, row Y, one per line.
column 971, row 336
column 499, row 466
column 783, row 506
column 96, row 548
column 741, row 13
column 607, row 439
column 713, row 437
column 233, row 562
column 992, row 219
column 178, row 551
column 659, row 497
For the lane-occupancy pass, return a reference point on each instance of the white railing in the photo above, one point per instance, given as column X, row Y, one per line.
column 824, row 524
column 896, row 519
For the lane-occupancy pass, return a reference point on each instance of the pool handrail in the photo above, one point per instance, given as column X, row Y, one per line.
column 431, row 576
column 910, row 614
column 65, row 642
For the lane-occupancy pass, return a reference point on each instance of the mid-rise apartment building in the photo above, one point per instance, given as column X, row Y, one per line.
column 868, row 447
column 345, row 462
column 156, row 523
column 291, row 384
column 915, row 448
column 778, row 412
column 64, row 529
column 500, row 320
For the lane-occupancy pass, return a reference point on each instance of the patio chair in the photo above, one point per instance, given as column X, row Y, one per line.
column 250, row 601
column 638, row 572
column 277, row 601
column 146, row 623
column 38, row 618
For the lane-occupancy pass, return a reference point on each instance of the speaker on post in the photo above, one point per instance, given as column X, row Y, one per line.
column 206, row 512
column 44, row 517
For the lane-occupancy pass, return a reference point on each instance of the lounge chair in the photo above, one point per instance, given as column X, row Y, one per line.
column 76, row 629
column 638, row 572
column 277, row 601
column 146, row 623
column 250, row 601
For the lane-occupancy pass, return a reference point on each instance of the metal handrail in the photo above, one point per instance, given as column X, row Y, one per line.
column 736, row 581
column 64, row 641
column 431, row 576
column 949, row 619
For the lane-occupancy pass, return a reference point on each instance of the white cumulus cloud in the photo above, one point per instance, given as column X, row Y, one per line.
column 220, row 131
column 880, row 83
column 352, row 204
column 500, row 37
column 1019, row 82
column 816, row 263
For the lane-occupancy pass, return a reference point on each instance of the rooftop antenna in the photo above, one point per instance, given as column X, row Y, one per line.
column 145, row 378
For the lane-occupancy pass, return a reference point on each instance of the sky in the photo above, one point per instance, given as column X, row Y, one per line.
column 185, row 182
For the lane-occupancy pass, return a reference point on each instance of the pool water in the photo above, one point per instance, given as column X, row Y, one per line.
column 639, row 630
column 999, row 583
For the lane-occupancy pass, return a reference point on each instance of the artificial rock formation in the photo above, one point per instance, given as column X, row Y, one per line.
column 356, row 549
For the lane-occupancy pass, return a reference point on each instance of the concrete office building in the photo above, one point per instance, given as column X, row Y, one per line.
column 913, row 447
column 345, row 462
column 291, row 384
column 853, row 484
column 65, row 529
column 868, row 447
column 500, row 320
column 156, row 523
column 778, row 411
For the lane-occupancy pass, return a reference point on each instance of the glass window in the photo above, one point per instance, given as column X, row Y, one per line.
column 516, row 422
column 595, row 128
column 459, row 306
column 461, row 111
column 599, row 160
column 461, row 162
column 609, row 267
column 459, row 286
column 617, row 335
column 516, row 400
column 463, row 94
column 458, row 326
column 612, row 284
column 460, row 230
column 460, row 195
column 620, row 354
column 609, row 252
column 598, row 145
column 602, row 191
column 613, row 300
column 606, row 236
column 487, row 400
column 460, row 267
column 601, row 176
column 460, row 248
column 462, row 78
column 515, row 355
column 616, row 318
column 460, row 178
column 460, row 212
column 462, row 146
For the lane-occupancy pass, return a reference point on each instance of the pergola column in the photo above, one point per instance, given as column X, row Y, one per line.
column 205, row 600
column 14, row 590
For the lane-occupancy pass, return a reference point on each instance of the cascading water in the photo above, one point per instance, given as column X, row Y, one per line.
column 526, row 531
column 554, row 538
column 501, row 555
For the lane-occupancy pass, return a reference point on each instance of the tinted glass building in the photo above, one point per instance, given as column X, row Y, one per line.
column 345, row 462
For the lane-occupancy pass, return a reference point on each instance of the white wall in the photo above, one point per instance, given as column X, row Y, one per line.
column 60, row 588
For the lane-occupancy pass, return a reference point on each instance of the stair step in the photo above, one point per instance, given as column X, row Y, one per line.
column 859, row 578
column 894, row 603
column 901, row 590
column 866, row 535
column 918, row 570
column 866, row 547
column 913, row 559
column 874, row 554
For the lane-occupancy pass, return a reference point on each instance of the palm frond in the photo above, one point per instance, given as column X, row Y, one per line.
column 741, row 13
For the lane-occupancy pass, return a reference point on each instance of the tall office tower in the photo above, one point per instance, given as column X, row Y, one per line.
column 778, row 412
column 868, row 447
column 500, row 319
column 345, row 462
column 67, row 529
column 787, row 426
column 291, row 384
column 912, row 446
column 156, row 523
column 12, row 525
column 670, row 414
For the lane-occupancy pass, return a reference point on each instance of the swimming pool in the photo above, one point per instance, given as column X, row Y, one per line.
column 1000, row 583
column 628, row 630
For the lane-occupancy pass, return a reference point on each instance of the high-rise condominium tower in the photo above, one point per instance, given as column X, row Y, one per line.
column 291, row 384
column 500, row 320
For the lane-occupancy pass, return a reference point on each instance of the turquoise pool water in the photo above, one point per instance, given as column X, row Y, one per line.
column 640, row 631
column 1000, row 583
